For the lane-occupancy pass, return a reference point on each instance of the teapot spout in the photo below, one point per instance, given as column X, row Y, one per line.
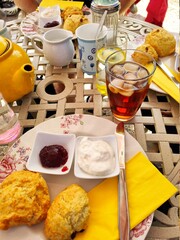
column 23, row 81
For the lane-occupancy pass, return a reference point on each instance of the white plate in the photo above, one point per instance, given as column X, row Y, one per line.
column 79, row 125
column 169, row 60
column 111, row 140
column 29, row 26
column 43, row 139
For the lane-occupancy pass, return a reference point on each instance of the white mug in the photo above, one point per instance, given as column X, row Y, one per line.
column 58, row 47
column 86, row 36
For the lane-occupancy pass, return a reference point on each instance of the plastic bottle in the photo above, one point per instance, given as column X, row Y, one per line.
column 9, row 125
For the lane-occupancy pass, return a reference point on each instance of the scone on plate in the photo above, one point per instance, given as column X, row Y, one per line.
column 147, row 48
column 72, row 22
column 71, row 10
column 143, row 59
column 68, row 213
column 162, row 41
column 24, row 199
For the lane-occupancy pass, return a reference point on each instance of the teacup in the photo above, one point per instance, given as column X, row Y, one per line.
column 58, row 47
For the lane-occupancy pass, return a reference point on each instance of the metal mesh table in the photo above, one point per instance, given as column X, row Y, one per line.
column 156, row 125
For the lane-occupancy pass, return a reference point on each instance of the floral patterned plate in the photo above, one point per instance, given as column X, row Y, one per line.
column 29, row 25
column 18, row 154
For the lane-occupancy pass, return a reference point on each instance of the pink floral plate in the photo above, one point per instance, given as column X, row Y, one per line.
column 18, row 154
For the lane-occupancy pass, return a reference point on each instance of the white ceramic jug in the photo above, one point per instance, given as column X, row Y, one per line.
column 57, row 44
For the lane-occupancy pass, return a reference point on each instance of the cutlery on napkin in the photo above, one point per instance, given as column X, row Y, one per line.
column 163, row 81
column 147, row 190
column 167, row 72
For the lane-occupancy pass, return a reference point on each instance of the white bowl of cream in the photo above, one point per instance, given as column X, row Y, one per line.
column 96, row 157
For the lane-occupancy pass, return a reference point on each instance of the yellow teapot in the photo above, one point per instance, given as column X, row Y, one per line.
column 17, row 76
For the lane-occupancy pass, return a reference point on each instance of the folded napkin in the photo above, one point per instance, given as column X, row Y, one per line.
column 162, row 81
column 62, row 4
column 147, row 190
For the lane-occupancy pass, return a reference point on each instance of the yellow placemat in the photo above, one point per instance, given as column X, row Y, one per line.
column 62, row 4
column 162, row 81
column 147, row 190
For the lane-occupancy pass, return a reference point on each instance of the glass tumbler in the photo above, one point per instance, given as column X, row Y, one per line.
column 112, row 7
column 128, row 77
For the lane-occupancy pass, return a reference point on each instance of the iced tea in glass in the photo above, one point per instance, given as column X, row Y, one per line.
column 128, row 81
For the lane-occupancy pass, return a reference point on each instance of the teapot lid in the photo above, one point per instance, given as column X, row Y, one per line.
column 3, row 45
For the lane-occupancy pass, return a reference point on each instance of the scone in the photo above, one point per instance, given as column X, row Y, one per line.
column 162, row 41
column 72, row 22
column 68, row 213
column 71, row 11
column 143, row 59
column 24, row 199
column 147, row 48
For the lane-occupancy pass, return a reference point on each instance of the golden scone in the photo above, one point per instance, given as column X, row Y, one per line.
column 72, row 22
column 68, row 213
column 24, row 199
column 147, row 48
column 162, row 41
column 142, row 58
column 71, row 11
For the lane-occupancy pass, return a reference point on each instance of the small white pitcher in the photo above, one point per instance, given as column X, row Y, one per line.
column 58, row 47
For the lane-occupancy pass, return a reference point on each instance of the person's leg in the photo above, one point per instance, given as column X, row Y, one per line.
column 156, row 11
column 27, row 5
column 125, row 5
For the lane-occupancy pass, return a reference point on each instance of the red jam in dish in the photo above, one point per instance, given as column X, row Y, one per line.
column 51, row 24
column 53, row 156
column 64, row 169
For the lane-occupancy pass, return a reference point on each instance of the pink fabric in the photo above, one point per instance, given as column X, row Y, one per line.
column 156, row 11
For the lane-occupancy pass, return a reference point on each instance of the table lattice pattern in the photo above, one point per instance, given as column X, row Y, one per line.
column 156, row 125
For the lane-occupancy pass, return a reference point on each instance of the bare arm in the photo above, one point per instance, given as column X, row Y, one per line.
column 125, row 5
column 27, row 6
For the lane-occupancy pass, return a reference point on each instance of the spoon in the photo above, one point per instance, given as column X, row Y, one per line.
column 101, row 23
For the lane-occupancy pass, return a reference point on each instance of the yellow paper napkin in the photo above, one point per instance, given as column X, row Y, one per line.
column 162, row 81
column 147, row 190
column 62, row 4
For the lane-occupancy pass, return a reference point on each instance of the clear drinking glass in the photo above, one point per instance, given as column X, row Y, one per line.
column 128, row 77
column 115, row 40
column 98, row 7
column 9, row 125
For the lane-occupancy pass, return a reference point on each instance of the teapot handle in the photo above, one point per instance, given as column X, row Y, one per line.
column 35, row 42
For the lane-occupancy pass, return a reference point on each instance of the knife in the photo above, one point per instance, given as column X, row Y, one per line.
column 124, row 226
column 177, row 62
column 177, row 55
column 167, row 72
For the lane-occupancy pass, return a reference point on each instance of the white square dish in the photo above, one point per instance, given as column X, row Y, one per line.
column 111, row 140
column 43, row 139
